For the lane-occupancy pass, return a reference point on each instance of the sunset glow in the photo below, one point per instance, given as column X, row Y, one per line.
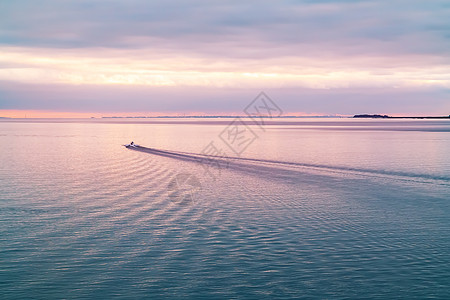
column 103, row 67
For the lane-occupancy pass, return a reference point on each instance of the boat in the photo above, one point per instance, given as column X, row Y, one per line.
column 131, row 145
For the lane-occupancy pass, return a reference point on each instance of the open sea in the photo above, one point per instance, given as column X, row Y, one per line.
column 224, row 209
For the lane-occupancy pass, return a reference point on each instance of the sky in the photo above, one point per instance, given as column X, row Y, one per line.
column 199, row 57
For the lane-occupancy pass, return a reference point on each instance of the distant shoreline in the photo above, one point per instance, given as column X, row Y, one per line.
column 360, row 116
column 217, row 117
column 390, row 117
column 189, row 117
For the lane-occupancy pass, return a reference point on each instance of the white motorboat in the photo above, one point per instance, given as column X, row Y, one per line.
column 131, row 145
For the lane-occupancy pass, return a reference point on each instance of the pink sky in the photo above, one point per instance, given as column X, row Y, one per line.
column 333, row 57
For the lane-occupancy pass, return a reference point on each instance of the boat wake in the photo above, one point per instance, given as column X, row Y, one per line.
column 256, row 165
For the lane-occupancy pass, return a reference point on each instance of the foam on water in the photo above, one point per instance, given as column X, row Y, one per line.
column 238, row 163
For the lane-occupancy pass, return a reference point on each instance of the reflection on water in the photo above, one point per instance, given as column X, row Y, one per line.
column 314, row 208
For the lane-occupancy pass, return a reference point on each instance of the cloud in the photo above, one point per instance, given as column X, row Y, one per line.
column 137, row 67
column 186, row 51
column 215, row 100
column 232, row 28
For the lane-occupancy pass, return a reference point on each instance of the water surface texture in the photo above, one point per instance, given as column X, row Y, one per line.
column 312, row 208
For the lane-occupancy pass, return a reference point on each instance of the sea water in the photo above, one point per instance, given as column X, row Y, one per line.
column 296, row 208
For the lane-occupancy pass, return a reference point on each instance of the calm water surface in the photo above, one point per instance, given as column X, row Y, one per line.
column 313, row 208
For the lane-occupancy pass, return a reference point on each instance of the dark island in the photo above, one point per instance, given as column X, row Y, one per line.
column 371, row 116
